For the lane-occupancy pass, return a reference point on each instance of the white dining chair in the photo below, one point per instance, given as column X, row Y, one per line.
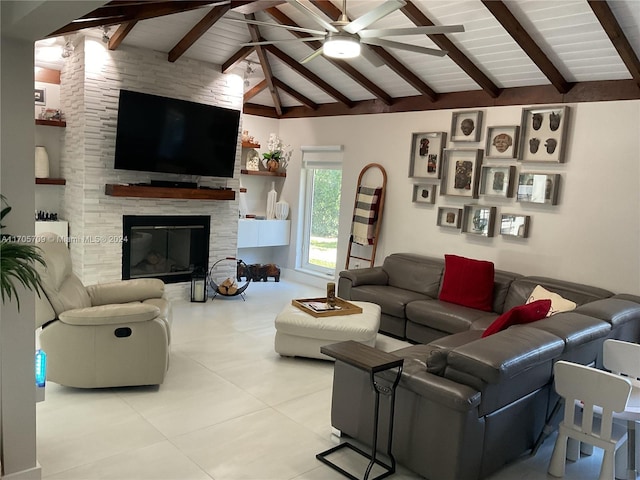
column 623, row 358
column 591, row 397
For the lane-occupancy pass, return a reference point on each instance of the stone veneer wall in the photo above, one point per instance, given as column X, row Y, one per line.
column 90, row 84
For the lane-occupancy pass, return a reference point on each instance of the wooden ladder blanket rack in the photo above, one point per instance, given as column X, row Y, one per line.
column 367, row 216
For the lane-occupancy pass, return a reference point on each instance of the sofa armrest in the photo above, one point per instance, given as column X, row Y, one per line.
column 366, row 276
column 110, row 314
column 441, row 390
column 125, row 291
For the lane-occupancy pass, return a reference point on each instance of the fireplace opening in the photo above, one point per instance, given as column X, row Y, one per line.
column 167, row 247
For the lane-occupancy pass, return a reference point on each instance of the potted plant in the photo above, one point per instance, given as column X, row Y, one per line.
column 278, row 156
column 16, row 262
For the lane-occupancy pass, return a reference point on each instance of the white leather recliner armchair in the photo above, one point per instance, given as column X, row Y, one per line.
column 106, row 335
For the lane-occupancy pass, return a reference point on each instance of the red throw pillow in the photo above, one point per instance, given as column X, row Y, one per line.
column 527, row 313
column 468, row 282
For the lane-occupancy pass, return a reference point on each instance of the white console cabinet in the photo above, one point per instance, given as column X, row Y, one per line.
column 263, row 233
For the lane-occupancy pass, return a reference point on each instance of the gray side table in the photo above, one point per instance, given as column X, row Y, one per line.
column 372, row 361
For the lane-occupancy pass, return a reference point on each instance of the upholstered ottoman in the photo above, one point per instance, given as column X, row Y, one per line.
column 300, row 334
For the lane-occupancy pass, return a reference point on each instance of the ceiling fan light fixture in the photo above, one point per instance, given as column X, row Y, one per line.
column 341, row 45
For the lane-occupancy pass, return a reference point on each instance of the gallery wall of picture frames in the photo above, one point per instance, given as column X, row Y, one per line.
column 510, row 168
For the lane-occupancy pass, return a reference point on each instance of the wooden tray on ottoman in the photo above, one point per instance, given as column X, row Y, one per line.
column 342, row 307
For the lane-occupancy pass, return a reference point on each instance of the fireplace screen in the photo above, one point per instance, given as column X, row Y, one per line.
column 165, row 247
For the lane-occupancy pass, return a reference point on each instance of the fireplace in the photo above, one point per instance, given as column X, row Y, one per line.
column 167, row 247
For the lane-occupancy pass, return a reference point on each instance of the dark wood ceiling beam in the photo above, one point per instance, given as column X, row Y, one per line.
column 513, row 27
column 342, row 65
column 612, row 90
column 407, row 75
column 264, row 63
column 120, row 34
column 308, row 74
column 414, row 14
column 612, row 28
column 260, row 110
column 115, row 13
column 236, row 58
column 197, row 31
column 259, row 87
column 295, row 94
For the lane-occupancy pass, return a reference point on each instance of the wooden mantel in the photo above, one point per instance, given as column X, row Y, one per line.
column 143, row 191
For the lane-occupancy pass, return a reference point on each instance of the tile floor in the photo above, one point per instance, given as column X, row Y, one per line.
column 230, row 408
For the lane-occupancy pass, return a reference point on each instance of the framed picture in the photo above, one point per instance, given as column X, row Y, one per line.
column 497, row 181
column 466, row 126
column 461, row 172
column 449, row 217
column 479, row 220
column 426, row 154
column 41, row 96
column 539, row 188
column 502, row 142
column 514, row 225
column 424, row 193
column 543, row 134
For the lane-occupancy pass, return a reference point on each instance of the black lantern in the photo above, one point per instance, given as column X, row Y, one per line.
column 198, row 285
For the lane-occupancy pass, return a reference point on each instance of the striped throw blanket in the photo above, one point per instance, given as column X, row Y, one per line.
column 365, row 215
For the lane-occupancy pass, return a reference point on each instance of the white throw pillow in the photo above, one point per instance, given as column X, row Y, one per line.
column 558, row 303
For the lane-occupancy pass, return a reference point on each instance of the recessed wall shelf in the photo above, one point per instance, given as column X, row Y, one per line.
column 51, row 123
column 250, row 145
column 263, row 173
column 143, row 191
column 50, row 181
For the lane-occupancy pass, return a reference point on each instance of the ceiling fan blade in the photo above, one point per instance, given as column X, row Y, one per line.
column 393, row 32
column 318, row 19
column 404, row 46
column 373, row 16
column 371, row 57
column 288, row 40
column 315, row 54
column 267, row 24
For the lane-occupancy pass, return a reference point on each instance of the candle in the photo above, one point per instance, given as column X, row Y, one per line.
column 331, row 294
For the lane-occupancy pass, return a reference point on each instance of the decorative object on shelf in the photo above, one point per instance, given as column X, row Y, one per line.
column 544, row 131
column 466, row 126
column 42, row 162
column 272, row 199
column 426, row 154
column 461, row 172
column 502, row 142
column 253, row 161
column 479, row 220
column 277, row 158
column 282, row 210
column 198, row 285
column 497, row 181
column 514, row 225
column 424, row 193
column 449, row 217
column 538, row 188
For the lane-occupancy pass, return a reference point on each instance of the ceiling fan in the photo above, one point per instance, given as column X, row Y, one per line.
column 342, row 39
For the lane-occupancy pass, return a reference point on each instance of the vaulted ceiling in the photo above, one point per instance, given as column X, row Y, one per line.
column 511, row 52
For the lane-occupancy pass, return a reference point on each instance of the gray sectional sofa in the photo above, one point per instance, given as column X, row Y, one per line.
column 468, row 405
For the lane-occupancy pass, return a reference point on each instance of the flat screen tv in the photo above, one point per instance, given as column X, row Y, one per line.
column 160, row 134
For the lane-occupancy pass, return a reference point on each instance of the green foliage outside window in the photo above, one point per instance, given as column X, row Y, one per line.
column 326, row 203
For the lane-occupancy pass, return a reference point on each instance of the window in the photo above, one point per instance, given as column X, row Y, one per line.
column 321, row 192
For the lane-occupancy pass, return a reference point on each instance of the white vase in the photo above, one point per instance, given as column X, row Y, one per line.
column 282, row 210
column 272, row 198
column 42, row 162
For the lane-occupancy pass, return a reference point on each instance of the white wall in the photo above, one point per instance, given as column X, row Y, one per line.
column 592, row 236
